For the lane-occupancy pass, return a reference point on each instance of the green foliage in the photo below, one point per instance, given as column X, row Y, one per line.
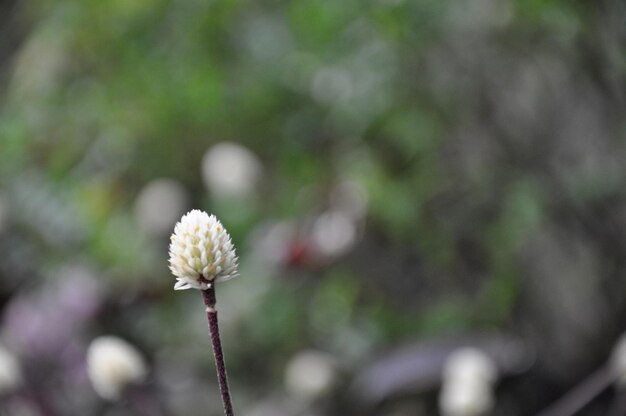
column 418, row 103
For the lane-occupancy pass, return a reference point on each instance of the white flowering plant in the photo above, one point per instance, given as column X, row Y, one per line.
column 202, row 254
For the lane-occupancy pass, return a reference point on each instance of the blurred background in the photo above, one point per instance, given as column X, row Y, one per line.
column 400, row 178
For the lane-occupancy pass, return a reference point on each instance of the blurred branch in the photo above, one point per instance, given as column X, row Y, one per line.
column 618, row 408
column 581, row 395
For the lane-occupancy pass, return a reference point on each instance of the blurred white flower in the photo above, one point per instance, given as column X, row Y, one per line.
column 159, row 204
column 201, row 251
column 270, row 242
column 38, row 66
column 310, row 374
column 112, row 365
column 466, row 399
column 231, row 170
column 267, row 39
column 10, row 371
column 468, row 379
column 618, row 362
column 470, row 364
column 332, row 85
column 333, row 234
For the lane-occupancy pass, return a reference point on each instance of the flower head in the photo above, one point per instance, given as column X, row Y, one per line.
column 113, row 364
column 201, row 252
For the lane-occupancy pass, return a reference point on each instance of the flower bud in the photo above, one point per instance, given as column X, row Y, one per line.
column 201, row 252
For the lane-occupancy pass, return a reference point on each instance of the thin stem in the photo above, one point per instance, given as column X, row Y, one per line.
column 214, row 331
column 581, row 395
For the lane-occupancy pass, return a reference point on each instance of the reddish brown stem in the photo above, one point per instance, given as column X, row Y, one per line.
column 220, row 366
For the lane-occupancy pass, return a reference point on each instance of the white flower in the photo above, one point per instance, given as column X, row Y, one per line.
column 468, row 379
column 159, row 204
column 470, row 364
column 466, row 399
column 113, row 364
column 231, row 170
column 334, row 233
column 10, row 371
column 310, row 374
column 201, row 252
